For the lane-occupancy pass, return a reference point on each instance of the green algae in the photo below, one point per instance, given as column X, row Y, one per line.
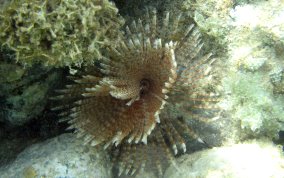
column 59, row 33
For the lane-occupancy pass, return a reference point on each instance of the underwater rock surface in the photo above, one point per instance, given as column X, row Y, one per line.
column 256, row 65
column 253, row 159
column 24, row 92
column 250, row 48
column 63, row 156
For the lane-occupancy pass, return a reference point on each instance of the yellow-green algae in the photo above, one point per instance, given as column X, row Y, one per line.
column 59, row 32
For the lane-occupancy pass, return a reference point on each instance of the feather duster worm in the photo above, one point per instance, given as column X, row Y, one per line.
column 125, row 103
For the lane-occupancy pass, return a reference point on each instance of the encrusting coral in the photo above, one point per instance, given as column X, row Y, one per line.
column 59, row 33
column 127, row 101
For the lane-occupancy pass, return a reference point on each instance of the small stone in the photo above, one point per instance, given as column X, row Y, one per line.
column 255, row 159
column 63, row 156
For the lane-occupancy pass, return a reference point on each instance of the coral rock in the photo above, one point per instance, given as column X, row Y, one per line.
column 63, row 156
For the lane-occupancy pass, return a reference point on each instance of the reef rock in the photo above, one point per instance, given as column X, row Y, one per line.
column 253, row 83
column 249, row 49
column 63, row 156
column 24, row 92
column 256, row 159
